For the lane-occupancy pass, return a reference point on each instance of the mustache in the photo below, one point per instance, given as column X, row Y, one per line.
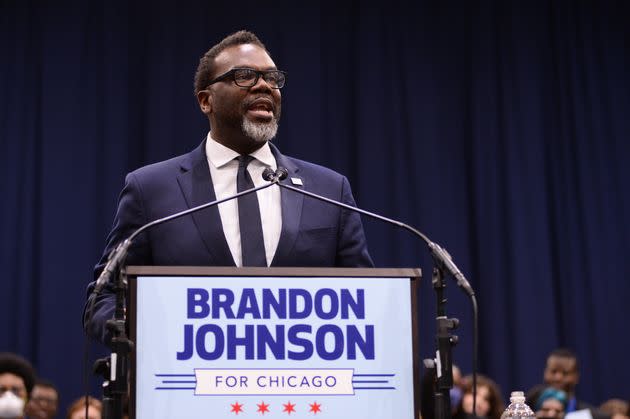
column 268, row 99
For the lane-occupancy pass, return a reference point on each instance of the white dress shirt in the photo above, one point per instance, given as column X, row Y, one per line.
column 223, row 169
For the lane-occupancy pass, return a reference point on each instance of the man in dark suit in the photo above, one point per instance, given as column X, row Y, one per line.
column 238, row 87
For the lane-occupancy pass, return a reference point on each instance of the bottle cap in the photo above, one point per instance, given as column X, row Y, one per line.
column 517, row 397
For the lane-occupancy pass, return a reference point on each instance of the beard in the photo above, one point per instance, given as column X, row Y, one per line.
column 260, row 132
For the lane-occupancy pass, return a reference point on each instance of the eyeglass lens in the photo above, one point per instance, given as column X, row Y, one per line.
column 248, row 78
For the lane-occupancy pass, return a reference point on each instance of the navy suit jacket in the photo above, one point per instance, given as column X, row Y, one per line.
column 314, row 233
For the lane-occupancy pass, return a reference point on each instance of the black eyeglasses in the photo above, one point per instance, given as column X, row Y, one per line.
column 248, row 77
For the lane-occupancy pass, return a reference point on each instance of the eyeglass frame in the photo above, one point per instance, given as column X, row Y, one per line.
column 259, row 74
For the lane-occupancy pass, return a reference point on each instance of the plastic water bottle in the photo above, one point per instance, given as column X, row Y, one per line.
column 517, row 408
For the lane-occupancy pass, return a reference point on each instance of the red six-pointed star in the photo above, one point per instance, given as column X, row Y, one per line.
column 262, row 408
column 236, row 408
column 315, row 407
column 289, row 407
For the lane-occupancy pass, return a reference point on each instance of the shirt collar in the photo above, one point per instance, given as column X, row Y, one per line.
column 220, row 155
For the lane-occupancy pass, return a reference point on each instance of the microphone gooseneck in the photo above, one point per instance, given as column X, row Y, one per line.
column 443, row 263
column 114, row 368
column 117, row 256
column 440, row 255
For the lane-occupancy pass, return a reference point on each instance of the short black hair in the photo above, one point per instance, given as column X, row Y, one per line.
column 205, row 69
column 42, row 382
column 14, row 364
column 564, row 353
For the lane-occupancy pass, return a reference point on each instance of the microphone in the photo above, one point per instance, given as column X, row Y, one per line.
column 274, row 176
column 439, row 254
column 268, row 173
column 118, row 255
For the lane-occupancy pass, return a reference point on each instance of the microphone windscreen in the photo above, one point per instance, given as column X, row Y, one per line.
column 282, row 173
column 268, row 174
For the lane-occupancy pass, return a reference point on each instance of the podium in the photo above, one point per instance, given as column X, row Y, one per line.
column 221, row 342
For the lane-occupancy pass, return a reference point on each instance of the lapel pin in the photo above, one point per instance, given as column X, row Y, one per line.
column 296, row 181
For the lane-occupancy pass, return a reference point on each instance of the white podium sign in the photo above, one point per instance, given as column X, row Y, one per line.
column 274, row 346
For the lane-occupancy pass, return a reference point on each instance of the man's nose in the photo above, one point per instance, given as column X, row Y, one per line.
column 261, row 85
column 559, row 376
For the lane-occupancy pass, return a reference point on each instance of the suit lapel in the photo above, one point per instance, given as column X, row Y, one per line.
column 291, row 203
column 196, row 184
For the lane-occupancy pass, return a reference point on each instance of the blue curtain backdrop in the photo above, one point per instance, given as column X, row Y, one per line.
column 498, row 128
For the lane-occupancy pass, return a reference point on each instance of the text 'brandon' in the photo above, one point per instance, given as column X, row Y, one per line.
column 245, row 321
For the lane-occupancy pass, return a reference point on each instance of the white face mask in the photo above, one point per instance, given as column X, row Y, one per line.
column 11, row 406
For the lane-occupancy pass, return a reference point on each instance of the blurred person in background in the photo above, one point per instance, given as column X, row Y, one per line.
column 44, row 401
column 489, row 401
column 550, row 404
column 616, row 408
column 562, row 373
column 77, row 409
column 457, row 391
column 17, row 378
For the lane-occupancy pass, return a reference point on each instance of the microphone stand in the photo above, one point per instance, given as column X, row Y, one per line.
column 115, row 368
column 443, row 363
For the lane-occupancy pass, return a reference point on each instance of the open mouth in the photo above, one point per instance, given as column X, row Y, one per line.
column 261, row 108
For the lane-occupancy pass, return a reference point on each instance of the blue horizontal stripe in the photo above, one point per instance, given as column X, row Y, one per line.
column 369, row 382
column 175, row 375
column 374, row 375
column 175, row 388
column 178, row 382
column 374, row 388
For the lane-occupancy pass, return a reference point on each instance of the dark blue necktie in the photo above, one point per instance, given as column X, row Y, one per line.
column 252, row 243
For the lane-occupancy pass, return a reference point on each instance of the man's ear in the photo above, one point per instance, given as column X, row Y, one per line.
column 204, row 98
